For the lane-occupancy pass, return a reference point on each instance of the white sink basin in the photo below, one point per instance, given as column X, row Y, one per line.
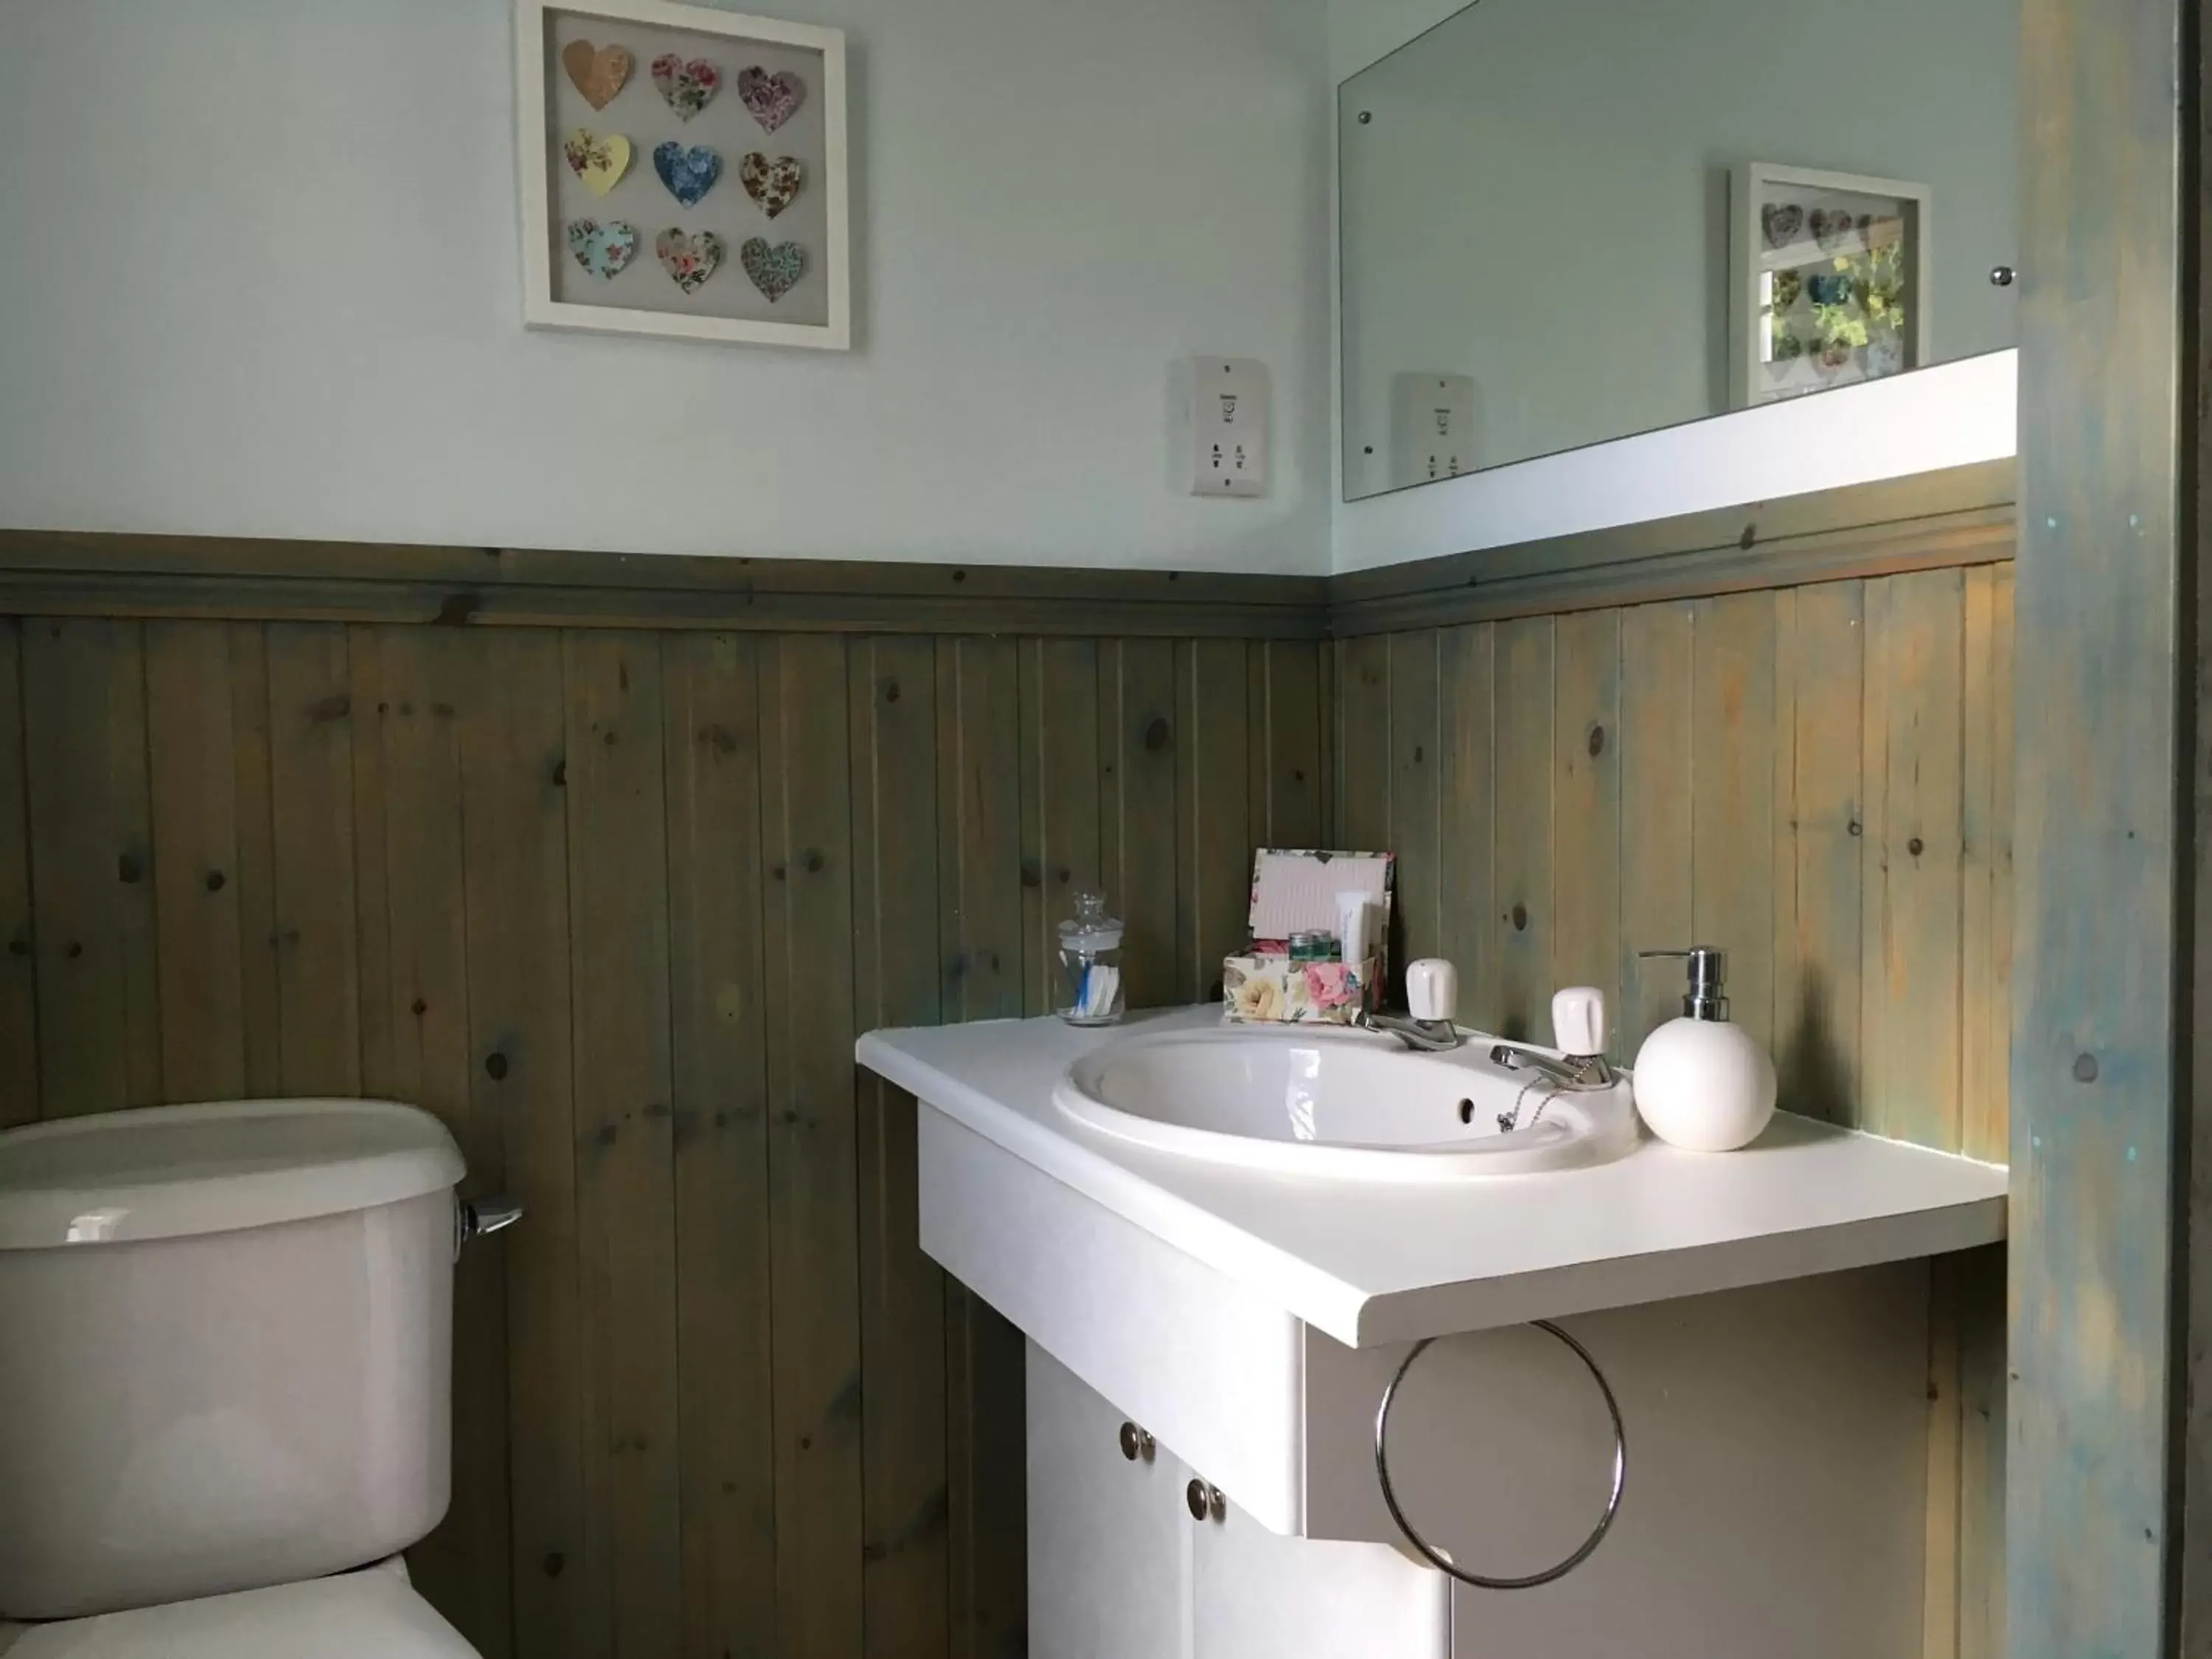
column 1341, row 1103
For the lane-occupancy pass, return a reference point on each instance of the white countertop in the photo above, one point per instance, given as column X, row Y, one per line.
column 1375, row 1264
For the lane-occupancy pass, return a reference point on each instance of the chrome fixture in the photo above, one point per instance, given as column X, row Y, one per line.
column 1568, row 1071
column 480, row 1218
column 1428, row 1037
column 1206, row 1501
column 1137, row 1442
column 1437, row 1557
column 1431, row 998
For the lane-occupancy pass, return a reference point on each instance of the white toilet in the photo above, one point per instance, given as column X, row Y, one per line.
column 225, row 1334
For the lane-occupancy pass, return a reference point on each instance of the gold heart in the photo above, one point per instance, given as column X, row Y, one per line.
column 599, row 162
column 598, row 71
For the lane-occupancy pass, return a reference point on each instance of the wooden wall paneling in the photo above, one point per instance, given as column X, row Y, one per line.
column 1514, row 996
column 1940, row 1586
column 1979, row 1279
column 1820, row 680
column 1586, row 806
column 710, row 703
column 1325, row 663
column 1916, row 878
column 989, row 1498
column 511, row 730
column 1985, row 983
column 1416, row 762
column 1656, row 762
column 1985, row 827
column 1214, row 811
column 253, row 875
column 1465, row 808
column 191, row 757
column 979, row 925
column 2109, row 429
column 979, row 826
column 425, row 676
column 1731, row 719
column 1363, row 744
column 19, row 984
column 372, row 909
column 892, row 705
column 625, row 1179
column 317, row 880
column 1137, row 808
column 806, row 846
column 1060, row 816
column 1290, row 707
column 98, row 999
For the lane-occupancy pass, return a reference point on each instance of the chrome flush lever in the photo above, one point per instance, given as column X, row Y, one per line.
column 479, row 1217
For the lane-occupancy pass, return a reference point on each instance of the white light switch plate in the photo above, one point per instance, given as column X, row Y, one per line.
column 1432, row 428
column 1228, row 415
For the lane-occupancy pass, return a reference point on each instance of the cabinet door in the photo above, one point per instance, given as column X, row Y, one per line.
column 1109, row 1537
column 1256, row 1595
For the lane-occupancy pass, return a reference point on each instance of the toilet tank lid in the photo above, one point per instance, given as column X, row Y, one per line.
column 173, row 1171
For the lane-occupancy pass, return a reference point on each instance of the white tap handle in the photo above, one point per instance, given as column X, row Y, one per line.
column 1578, row 1021
column 1431, row 989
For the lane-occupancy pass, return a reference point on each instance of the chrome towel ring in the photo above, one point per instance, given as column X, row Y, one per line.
column 1443, row 1563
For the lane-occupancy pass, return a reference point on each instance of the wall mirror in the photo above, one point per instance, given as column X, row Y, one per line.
column 1564, row 224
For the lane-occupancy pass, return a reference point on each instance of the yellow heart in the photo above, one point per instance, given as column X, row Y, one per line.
column 599, row 162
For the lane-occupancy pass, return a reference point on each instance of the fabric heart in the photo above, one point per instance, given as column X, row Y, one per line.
column 599, row 73
column 688, row 260
column 1781, row 222
column 775, row 270
column 602, row 249
column 773, row 99
column 689, row 173
column 1832, row 288
column 771, row 184
column 599, row 162
column 688, row 87
column 1830, row 229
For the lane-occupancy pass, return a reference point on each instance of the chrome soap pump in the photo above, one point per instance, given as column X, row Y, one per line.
column 1702, row 1082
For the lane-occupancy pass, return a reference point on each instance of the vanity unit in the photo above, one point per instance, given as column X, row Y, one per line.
column 1224, row 1244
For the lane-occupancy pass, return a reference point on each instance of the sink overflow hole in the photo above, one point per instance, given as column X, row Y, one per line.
column 1466, row 1111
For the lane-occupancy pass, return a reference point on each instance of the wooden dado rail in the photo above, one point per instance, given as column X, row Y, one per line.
column 1961, row 516
column 605, row 859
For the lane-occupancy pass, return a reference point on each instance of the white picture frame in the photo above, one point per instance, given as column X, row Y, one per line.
column 643, row 309
column 1752, row 379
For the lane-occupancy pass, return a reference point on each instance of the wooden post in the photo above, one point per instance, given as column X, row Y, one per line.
column 2102, row 996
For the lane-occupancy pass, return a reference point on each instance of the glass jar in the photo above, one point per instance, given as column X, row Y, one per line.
column 1091, row 992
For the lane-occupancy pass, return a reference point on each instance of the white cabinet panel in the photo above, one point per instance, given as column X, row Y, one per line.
column 1256, row 1595
column 1109, row 1540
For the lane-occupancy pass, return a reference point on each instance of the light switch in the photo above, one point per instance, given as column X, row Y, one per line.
column 1228, row 426
column 1432, row 428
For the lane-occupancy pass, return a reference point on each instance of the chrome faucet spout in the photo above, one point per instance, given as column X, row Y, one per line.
column 1428, row 1037
column 1568, row 1071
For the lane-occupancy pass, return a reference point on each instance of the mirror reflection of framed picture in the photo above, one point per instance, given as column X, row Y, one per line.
column 1830, row 274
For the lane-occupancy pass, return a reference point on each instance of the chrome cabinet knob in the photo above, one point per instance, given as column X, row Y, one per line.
column 1206, row 1501
column 2002, row 275
column 1136, row 1442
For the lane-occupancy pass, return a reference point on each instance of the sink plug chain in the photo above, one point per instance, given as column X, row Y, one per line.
column 1509, row 1121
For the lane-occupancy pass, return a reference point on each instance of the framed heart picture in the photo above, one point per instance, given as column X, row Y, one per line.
column 682, row 174
column 1829, row 279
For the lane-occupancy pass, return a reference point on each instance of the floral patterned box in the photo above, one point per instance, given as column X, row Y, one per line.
column 1275, row 990
column 1295, row 889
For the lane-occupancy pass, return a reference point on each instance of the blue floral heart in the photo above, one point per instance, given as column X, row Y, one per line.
column 1829, row 289
column 602, row 249
column 688, row 174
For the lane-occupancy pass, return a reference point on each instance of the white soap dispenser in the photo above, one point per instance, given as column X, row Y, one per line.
column 1703, row 1082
